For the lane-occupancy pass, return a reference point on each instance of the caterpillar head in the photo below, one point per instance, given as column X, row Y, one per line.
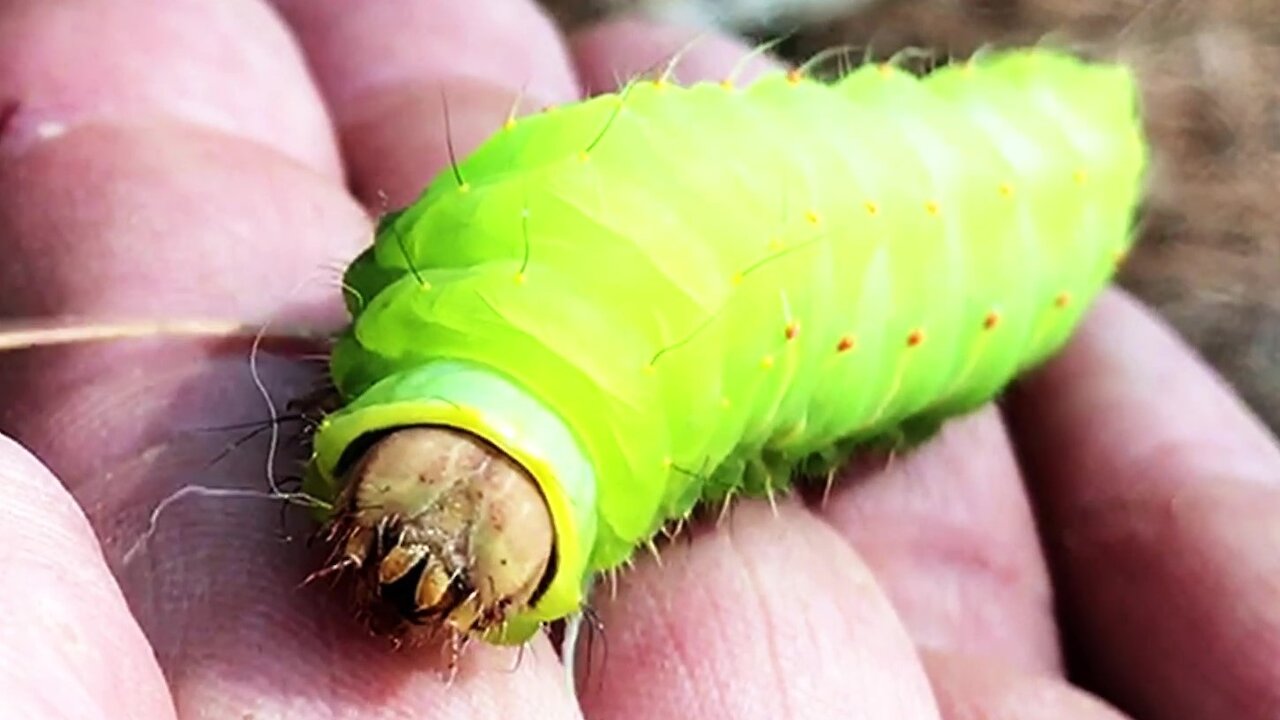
column 443, row 532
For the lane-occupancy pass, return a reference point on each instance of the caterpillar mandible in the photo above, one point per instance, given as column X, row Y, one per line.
column 616, row 310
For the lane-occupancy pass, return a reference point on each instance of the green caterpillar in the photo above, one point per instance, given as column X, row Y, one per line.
column 670, row 295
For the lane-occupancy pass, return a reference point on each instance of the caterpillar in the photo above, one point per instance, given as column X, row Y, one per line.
column 616, row 311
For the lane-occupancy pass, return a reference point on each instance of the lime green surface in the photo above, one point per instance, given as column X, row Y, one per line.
column 693, row 290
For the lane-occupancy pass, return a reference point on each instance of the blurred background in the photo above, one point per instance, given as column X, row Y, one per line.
column 1209, row 259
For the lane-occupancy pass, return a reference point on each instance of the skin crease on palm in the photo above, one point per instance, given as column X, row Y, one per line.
column 198, row 159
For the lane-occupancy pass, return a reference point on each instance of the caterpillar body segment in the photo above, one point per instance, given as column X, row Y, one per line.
column 670, row 295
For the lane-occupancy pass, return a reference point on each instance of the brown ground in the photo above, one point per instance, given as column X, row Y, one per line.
column 1210, row 258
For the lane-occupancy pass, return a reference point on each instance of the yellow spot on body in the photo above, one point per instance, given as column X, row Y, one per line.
column 1006, row 190
column 847, row 343
column 667, row 462
column 660, row 84
column 1120, row 255
column 794, row 76
column 424, row 286
column 932, row 207
column 727, row 83
column 1062, row 300
column 915, row 338
column 510, row 123
column 583, row 156
column 725, row 403
column 519, row 278
column 766, row 362
column 872, row 208
column 1081, row 176
column 464, row 188
column 886, row 70
column 991, row 320
column 812, row 217
column 649, row 369
column 736, row 278
column 776, row 244
column 792, row 330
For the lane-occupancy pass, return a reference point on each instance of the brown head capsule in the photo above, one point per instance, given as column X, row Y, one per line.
column 444, row 532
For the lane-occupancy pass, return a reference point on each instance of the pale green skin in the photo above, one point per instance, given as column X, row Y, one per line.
column 659, row 321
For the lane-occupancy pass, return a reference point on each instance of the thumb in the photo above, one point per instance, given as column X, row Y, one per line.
column 69, row 646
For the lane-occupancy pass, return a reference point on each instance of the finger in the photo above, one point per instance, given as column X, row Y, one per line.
column 764, row 616
column 73, row 63
column 973, row 688
column 68, row 646
column 611, row 53
column 949, row 532
column 387, row 68
column 1160, row 495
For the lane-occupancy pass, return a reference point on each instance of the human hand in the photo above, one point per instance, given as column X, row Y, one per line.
column 176, row 160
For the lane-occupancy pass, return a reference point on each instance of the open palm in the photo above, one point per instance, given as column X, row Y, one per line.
column 1115, row 533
